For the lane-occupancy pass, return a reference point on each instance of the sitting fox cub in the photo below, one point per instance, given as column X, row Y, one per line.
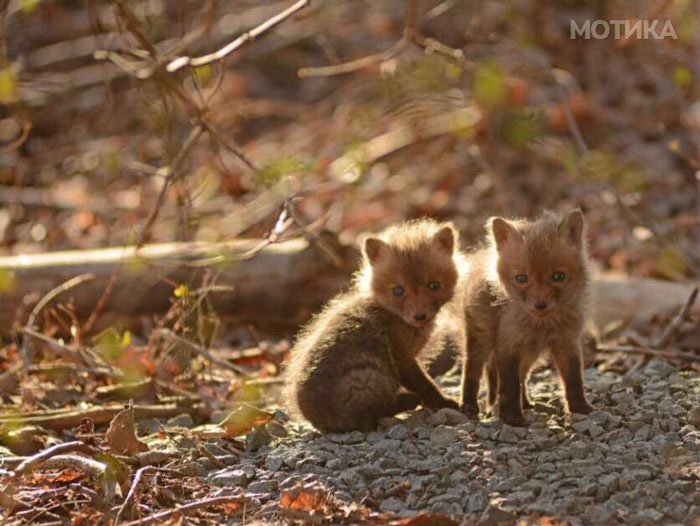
column 357, row 360
column 524, row 295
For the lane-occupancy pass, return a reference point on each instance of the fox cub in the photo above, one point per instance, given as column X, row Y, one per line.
column 357, row 361
column 526, row 294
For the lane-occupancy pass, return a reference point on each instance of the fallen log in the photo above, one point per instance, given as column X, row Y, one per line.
column 279, row 286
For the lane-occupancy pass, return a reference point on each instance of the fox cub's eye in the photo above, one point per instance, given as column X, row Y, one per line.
column 433, row 286
column 558, row 276
column 398, row 291
column 521, row 278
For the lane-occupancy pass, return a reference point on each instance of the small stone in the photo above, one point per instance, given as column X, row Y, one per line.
column 443, row 435
column 623, row 398
column 508, row 434
column 233, row 478
column 274, row 462
column 579, row 450
column 262, row 486
column 494, row 514
column 257, row 438
column 649, row 516
column 193, row 469
column 694, row 416
column 658, row 367
column 391, row 505
column 595, row 430
column 354, row 437
column 276, row 429
column 582, row 426
column 398, row 432
column 447, row 416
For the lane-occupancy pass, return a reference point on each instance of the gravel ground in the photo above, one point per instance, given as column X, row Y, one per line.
column 635, row 460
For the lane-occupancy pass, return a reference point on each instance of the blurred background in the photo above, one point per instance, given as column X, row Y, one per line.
column 356, row 114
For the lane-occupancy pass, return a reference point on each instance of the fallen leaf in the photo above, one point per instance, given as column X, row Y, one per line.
column 243, row 419
column 303, row 499
column 121, row 435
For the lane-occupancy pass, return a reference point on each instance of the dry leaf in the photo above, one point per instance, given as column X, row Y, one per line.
column 121, row 435
column 243, row 419
column 303, row 499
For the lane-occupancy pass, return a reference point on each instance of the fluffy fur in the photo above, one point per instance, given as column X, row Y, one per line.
column 526, row 294
column 357, row 360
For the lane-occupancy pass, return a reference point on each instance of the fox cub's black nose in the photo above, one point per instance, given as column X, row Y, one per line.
column 541, row 305
column 420, row 316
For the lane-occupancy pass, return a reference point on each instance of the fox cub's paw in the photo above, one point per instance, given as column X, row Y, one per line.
column 472, row 411
column 581, row 407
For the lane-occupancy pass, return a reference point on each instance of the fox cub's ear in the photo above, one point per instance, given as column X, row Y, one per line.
column 502, row 231
column 572, row 227
column 446, row 238
column 375, row 250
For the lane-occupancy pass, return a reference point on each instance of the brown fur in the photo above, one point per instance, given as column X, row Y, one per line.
column 357, row 360
column 506, row 332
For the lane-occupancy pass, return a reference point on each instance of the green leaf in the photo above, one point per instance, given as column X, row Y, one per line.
column 8, row 86
column 671, row 263
column 490, row 89
column 683, row 77
column 181, row 291
column 29, row 6
column 8, row 280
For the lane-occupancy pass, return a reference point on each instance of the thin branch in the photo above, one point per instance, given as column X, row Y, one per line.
column 181, row 510
column 218, row 136
column 51, row 295
column 239, row 42
column 59, row 449
column 131, row 496
column 354, row 65
column 673, row 328
column 202, row 351
column 631, row 349
column 132, row 24
column 170, row 173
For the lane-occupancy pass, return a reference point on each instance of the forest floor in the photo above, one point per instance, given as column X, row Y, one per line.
column 635, row 460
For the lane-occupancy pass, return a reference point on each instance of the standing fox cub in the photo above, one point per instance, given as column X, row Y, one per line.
column 524, row 295
column 357, row 360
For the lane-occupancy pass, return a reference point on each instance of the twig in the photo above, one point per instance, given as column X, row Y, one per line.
column 411, row 35
column 239, row 42
column 90, row 323
column 204, row 352
column 72, row 352
column 630, row 349
column 354, row 65
column 84, row 464
column 66, row 419
column 673, row 328
column 52, row 294
column 132, row 24
column 559, row 80
column 170, row 173
column 131, row 496
column 165, row 515
column 59, row 449
column 216, row 134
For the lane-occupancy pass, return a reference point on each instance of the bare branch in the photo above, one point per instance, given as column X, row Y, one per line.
column 245, row 38
column 170, row 173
